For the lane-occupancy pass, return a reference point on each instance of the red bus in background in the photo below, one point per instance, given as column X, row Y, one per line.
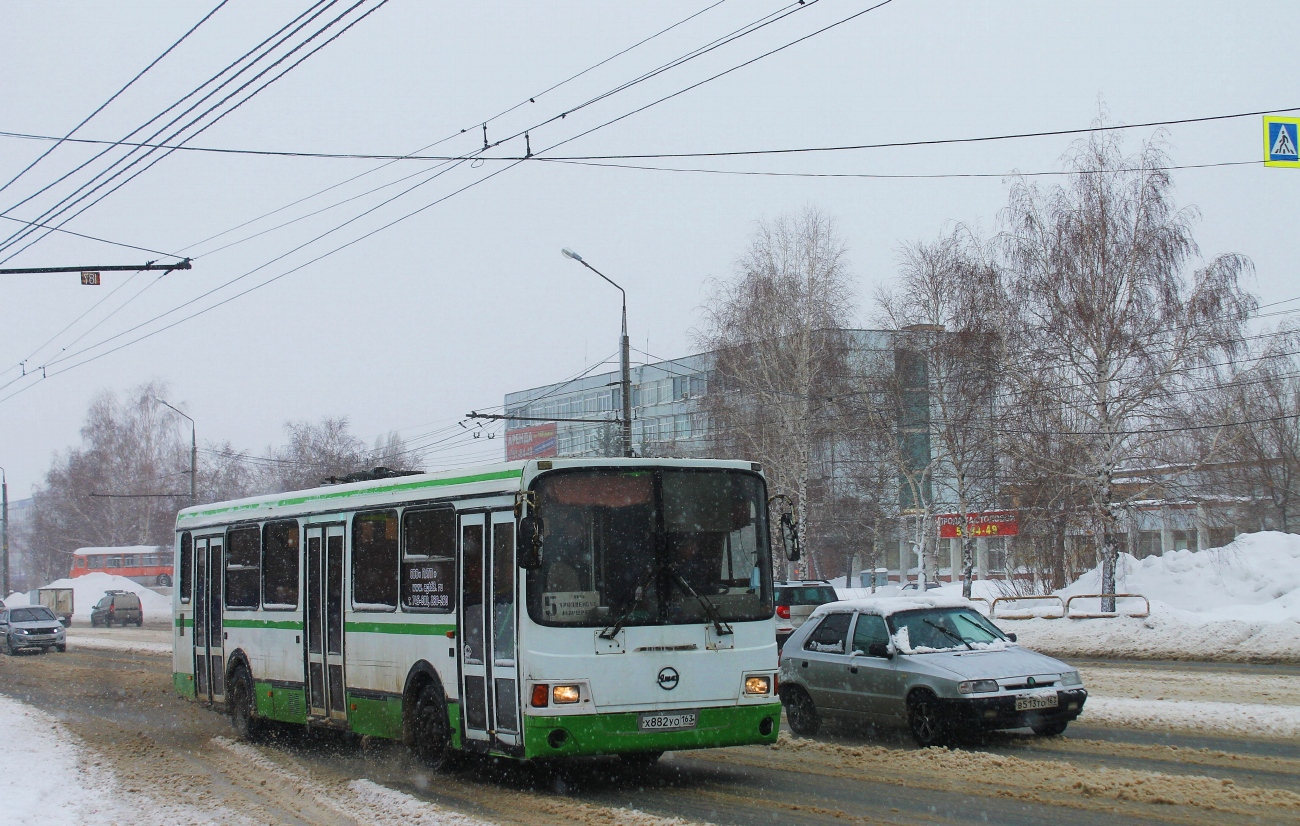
column 145, row 564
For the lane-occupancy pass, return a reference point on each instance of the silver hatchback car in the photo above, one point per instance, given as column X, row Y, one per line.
column 934, row 662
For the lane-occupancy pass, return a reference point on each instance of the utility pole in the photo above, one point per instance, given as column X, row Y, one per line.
column 194, row 453
column 4, row 534
column 624, row 349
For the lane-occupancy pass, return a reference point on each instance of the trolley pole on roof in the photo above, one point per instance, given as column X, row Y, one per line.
column 624, row 349
column 194, row 452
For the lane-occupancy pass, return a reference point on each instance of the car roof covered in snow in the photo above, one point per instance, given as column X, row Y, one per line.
column 885, row 606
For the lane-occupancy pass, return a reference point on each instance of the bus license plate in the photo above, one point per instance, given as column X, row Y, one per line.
column 1033, row 701
column 668, row 721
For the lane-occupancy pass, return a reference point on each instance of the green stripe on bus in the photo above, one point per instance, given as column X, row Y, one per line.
column 342, row 494
column 284, row 625
column 619, row 732
column 398, row 628
column 184, row 622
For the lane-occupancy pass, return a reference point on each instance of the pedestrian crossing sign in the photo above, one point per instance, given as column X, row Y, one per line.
column 1280, row 145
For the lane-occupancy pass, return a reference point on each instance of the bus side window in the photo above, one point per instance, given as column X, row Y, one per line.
column 243, row 564
column 374, row 561
column 280, row 561
column 186, row 563
column 429, row 560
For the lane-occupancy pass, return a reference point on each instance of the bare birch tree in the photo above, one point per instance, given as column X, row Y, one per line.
column 949, row 294
column 777, row 333
column 1110, row 322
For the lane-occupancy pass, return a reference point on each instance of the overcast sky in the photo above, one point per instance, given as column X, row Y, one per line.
column 446, row 311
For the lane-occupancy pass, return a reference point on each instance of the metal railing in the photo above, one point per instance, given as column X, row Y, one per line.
column 1146, row 606
column 993, row 609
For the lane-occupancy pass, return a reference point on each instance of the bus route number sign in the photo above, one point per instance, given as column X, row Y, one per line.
column 89, row 278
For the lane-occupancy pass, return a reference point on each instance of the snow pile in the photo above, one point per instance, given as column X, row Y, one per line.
column 1236, row 719
column 49, row 780
column 88, row 589
column 1237, row 603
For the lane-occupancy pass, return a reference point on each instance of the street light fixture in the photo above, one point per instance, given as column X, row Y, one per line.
column 194, row 451
column 624, row 350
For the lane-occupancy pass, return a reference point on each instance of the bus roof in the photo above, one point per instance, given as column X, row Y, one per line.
column 501, row 478
column 113, row 551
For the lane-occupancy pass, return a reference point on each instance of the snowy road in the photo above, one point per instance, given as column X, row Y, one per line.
column 120, row 706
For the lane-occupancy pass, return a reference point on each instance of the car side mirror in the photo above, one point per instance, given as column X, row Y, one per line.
column 529, row 550
column 880, row 649
column 1011, row 637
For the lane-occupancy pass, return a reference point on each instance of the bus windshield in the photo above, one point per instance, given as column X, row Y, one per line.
column 651, row 547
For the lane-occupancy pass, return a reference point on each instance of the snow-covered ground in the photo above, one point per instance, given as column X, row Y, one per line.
column 88, row 589
column 1238, row 603
column 49, row 778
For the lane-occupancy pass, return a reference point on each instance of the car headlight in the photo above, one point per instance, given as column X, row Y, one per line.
column 564, row 694
column 758, row 684
column 20, row 630
column 1071, row 678
column 977, row 686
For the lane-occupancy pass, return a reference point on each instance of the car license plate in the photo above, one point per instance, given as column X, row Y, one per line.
column 1033, row 701
column 668, row 721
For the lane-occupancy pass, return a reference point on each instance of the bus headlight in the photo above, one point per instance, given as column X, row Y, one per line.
column 758, row 684
column 563, row 694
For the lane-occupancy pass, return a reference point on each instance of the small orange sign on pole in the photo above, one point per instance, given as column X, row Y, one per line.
column 89, row 278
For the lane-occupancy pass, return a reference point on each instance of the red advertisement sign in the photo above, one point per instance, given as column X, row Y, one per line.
column 988, row 523
column 536, row 442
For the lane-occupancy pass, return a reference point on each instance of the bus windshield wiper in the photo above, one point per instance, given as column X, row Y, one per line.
column 948, row 633
column 611, row 630
column 711, row 610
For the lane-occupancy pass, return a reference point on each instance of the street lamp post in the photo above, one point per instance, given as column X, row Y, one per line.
column 625, row 360
column 4, row 534
column 194, row 452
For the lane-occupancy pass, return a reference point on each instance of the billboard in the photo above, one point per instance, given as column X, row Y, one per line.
column 536, row 442
column 988, row 523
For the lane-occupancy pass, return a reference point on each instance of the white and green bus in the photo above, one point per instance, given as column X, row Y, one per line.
column 527, row 609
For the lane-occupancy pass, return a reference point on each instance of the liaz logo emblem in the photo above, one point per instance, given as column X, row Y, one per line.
column 668, row 678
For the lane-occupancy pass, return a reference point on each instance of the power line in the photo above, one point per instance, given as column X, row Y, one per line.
column 900, row 176
column 114, row 97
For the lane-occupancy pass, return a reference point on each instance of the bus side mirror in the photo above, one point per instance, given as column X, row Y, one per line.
column 529, row 549
column 790, row 537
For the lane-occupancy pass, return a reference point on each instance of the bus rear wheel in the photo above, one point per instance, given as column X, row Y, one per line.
column 430, row 728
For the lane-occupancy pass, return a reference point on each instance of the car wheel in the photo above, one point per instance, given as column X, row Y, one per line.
column 430, row 728
column 9, row 646
column 801, row 712
column 140, row 622
column 1049, row 728
column 641, row 759
column 926, row 720
column 61, row 648
column 240, row 699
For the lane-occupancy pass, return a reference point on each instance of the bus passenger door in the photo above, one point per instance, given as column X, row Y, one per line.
column 209, row 657
column 505, row 669
column 323, row 622
column 474, row 670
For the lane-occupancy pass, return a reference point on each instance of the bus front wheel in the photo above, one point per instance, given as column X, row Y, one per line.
column 430, row 728
column 240, row 700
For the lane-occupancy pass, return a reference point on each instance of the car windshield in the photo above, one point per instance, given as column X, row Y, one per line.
column 651, row 547
column 38, row 613
column 943, row 629
column 805, row 595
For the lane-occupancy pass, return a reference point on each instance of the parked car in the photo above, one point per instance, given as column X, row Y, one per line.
column 933, row 662
column 33, row 626
column 795, row 601
column 929, row 586
column 117, row 607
